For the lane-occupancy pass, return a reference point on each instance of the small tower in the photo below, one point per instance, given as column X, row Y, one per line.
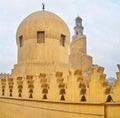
column 78, row 53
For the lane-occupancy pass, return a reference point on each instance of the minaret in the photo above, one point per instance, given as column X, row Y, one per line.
column 78, row 43
column 78, row 55
column 78, row 28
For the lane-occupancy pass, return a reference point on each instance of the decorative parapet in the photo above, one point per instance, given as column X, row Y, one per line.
column 4, row 75
column 20, row 86
column 3, row 86
column 10, row 84
column 99, row 89
column 30, row 85
column 61, row 85
column 116, row 87
column 44, row 85
column 57, row 86
column 82, row 85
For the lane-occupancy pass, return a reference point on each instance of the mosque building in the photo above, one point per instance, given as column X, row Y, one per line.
column 49, row 82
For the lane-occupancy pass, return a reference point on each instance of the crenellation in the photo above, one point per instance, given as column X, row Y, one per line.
column 10, row 84
column 4, row 75
column 116, row 87
column 83, row 88
column 96, row 90
column 30, row 82
column 61, row 85
column 19, row 86
column 44, row 85
column 75, row 86
column 3, row 86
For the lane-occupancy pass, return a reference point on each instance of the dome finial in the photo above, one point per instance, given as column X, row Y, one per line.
column 43, row 6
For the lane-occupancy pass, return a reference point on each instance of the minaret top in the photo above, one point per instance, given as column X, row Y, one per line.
column 78, row 21
column 78, row 26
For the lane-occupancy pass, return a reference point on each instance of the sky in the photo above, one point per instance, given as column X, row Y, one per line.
column 101, row 21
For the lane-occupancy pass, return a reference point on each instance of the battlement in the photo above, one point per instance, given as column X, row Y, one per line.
column 74, row 87
column 4, row 75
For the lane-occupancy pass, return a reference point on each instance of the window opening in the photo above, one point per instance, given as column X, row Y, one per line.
column 21, row 40
column 40, row 37
column 3, row 92
column 44, row 96
column 20, row 95
column 62, row 40
column 109, row 99
column 76, row 33
column 10, row 94
column 83, row 99
column 30, row 95
column 62, row 97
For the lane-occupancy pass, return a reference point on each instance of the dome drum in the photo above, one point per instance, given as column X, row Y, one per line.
column 52, row 25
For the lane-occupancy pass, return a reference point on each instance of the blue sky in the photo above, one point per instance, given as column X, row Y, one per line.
column 101, row 21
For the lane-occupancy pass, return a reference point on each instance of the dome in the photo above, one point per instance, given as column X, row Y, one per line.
column 50, row 23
